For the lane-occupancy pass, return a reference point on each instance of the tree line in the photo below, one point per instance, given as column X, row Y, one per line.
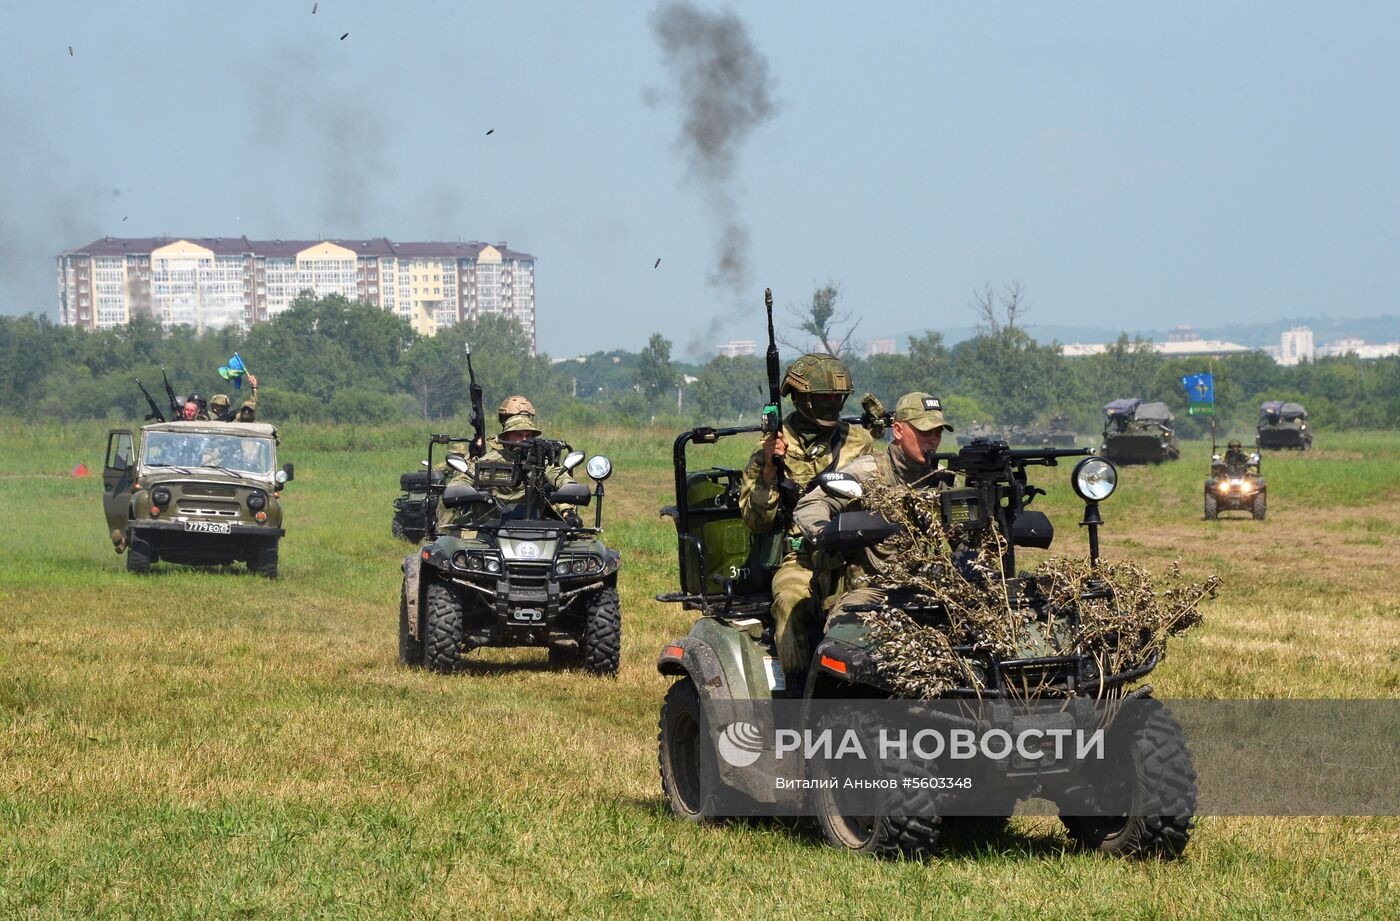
column 334, row 360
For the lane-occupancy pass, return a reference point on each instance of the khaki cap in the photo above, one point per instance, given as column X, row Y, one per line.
column 921, row 410
column 520, row 422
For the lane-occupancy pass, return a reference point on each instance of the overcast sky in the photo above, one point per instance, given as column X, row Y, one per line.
column 1130, row 166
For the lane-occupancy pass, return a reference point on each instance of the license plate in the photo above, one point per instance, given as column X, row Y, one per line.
column 208, row 527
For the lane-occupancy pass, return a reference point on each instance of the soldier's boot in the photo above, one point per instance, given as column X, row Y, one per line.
column 794, row 607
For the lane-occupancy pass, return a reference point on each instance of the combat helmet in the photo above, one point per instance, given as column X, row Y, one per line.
column 819, row 385
column 515, row 406
column 219, row 402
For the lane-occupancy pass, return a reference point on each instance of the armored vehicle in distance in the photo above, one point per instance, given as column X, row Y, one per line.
column 1283, row 425
column 1135, row 432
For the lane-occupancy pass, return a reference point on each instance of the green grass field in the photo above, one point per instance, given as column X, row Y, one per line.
column 205, row 744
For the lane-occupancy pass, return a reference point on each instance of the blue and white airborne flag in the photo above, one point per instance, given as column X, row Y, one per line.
column 1200, row 394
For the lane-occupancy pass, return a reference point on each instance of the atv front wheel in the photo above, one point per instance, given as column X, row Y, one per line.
column 139, row 556
column 410, row 649
column 444, row 629
column 1163, row 779
column 686, row 756
column 1212, row 508
column 601, row 648
column 396, row 528
column 1260, row 507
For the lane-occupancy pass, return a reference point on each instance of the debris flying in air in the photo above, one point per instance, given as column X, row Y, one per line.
column 345, row 36
column 492, row 131
column 123, row 218
column 658, row 262
column 313, row 8
column 70, row 51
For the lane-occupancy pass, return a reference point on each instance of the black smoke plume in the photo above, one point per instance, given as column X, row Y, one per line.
column 723, row 91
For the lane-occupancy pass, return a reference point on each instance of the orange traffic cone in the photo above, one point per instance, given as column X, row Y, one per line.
column 80, row 470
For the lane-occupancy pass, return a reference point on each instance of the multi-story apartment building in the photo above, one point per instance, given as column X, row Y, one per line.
column 1296, row 345
column 212, row 282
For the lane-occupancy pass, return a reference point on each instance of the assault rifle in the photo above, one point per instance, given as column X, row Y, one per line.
column 478, row 418
column 155, row 413
column 772, row 419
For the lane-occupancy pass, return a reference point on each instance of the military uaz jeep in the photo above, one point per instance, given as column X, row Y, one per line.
column 198, row 493
column 714, row 762
column 527, row 572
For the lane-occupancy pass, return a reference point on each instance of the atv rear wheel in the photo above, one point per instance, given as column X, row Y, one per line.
column 601, row 649
column 397, row 529
column 265, row 561
column 410, row 649
column 686, row 756
column 444, row 628
column 1212, row 508
column 139, row 556
column 1260, row 506
column 1164, row 779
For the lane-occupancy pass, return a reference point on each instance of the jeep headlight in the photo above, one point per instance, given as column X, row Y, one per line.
column 257, row 501
column 161, row 496
column 1094, row 479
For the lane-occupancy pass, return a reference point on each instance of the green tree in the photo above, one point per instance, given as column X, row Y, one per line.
column 830, row 329
column 656, row 375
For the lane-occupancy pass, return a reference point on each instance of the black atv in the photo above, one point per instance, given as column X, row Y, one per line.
column 525, row 572
column 714, row 759
column 416, row 506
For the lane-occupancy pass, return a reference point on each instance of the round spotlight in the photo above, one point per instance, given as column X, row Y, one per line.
column 459, row 559
column 561, row 568
column 599, row 467
column 1094, row 479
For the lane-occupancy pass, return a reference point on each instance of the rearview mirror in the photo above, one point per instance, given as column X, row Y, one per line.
column 572, row 494
column 572, row 460
column 458, row 463
column 459, row 495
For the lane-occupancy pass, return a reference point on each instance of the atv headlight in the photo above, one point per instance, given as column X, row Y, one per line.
column 1094, row 479
column 493, row 564
column 561, row 568
column 459, row 559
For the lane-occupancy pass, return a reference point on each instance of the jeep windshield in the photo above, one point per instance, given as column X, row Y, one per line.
column 236, row 454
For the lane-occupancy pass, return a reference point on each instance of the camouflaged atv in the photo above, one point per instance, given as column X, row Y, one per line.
column 198, row 493
column 711, row 749
column 517, row 573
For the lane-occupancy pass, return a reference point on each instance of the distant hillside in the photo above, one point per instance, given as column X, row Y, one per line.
column 1325, row 329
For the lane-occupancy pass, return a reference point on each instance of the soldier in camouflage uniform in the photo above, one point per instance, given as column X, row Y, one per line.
column 812, row 440
column 515, row 427
column 220, row 409
column 917, row 432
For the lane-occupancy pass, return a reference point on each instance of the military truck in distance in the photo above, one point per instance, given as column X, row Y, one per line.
column 1235, row 485
column 1283, row 425
column 417, row 504
column 198, row 493
column 526, row 573
column 1135, row 432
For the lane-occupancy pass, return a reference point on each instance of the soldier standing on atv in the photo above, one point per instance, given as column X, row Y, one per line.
column 220, row 409
column 811, row 441
column 515, row 428
column 917, row 432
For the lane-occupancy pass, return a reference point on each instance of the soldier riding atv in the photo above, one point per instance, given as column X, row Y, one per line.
column 1235, row 484
column 725, row 665
column 1135, row 432
column 1283, row 425
column 510, row 562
